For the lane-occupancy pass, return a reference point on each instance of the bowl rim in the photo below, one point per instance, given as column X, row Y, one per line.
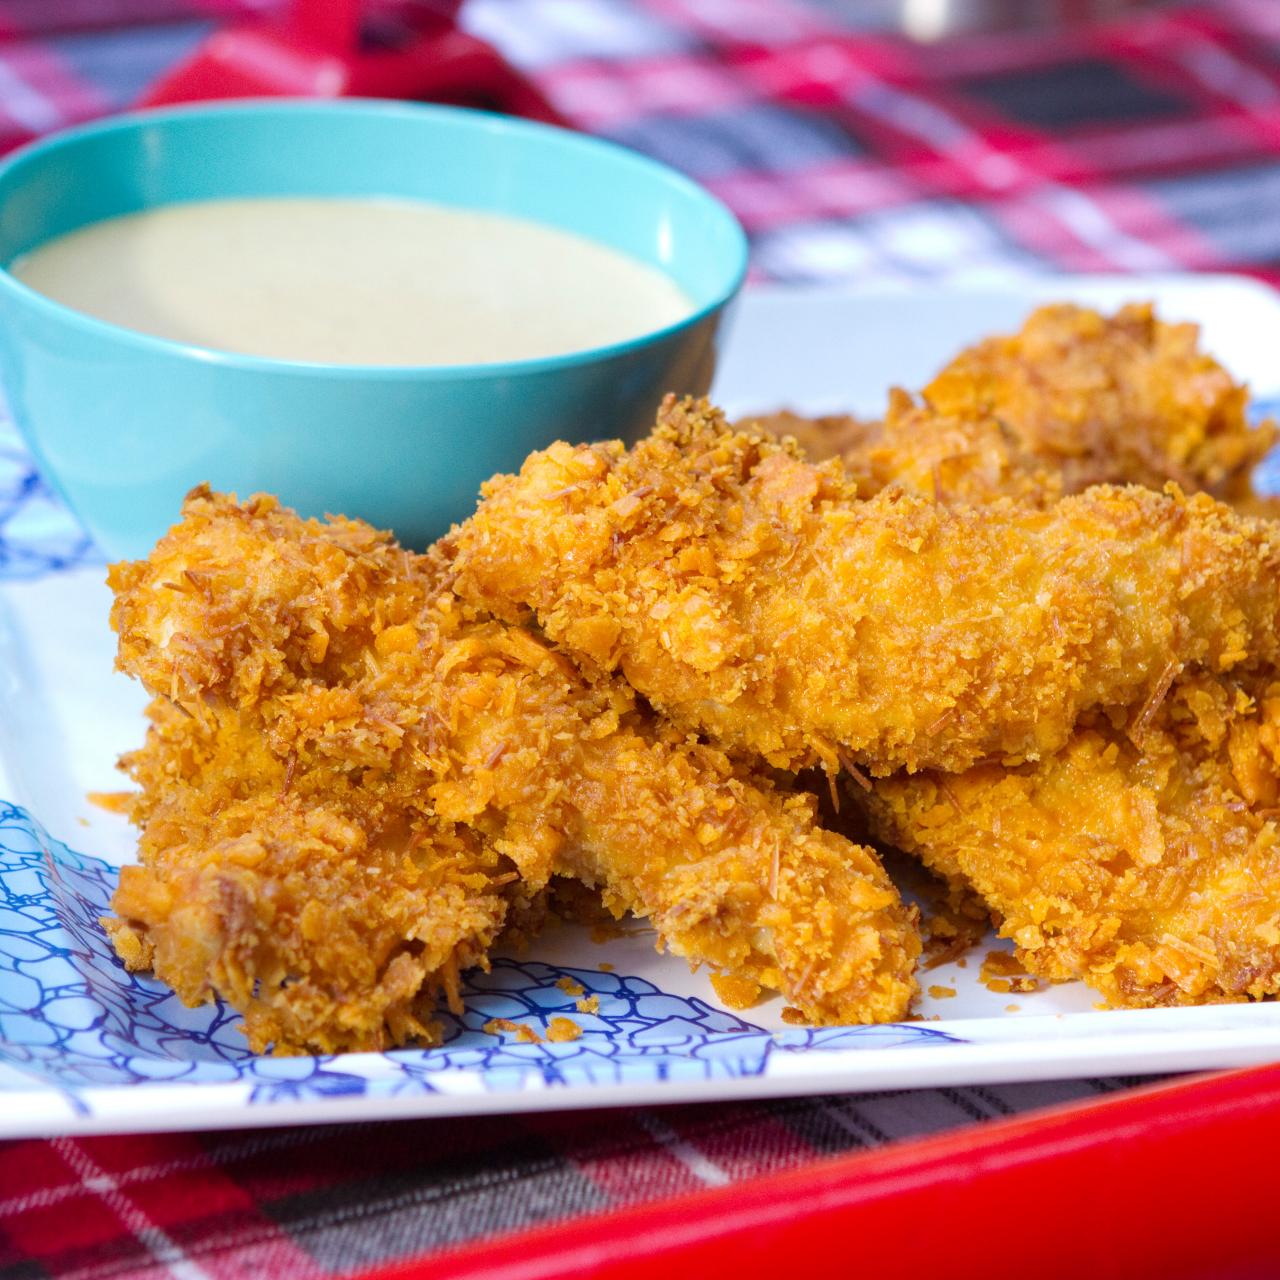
column 485, row 120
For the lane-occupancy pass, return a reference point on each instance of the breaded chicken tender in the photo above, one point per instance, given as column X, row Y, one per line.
column 952, row 459
column 1075, row 398
column 1140, row 856
column 1135, row 865
column 756, row 598
column 1144, row 858
column 365, row 686
column 831, row 436
column 329, row 917
column 1122, row 399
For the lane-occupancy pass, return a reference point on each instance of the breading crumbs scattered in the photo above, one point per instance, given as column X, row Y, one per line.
column 589, row 1004
column 734, row 991
column 942, row 993
column 111, row 801
column 570, row 986
column 560, row 1030
column 1004, row 973
column 526, row 1035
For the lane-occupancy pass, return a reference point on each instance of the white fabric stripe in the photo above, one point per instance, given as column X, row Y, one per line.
column 939, row 129
column 1087, row 221
column 902, row 110
column 26, row 105
column 47, row 1196
column 103, row 1185
column 702, row 1168
column 1261, row 15
column 1226, row 75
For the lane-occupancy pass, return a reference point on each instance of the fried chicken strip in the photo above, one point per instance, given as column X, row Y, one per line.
column 346, row 660
column 753, row 596
column 951, row 458
column 1121, row 399
column 331, row 919
column 1149, row 869
column 1075, row 398
column 1140, row 866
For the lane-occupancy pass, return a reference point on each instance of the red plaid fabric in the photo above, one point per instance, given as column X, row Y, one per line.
column 311, row 1203
column 1152, row 143
column 1143, row 145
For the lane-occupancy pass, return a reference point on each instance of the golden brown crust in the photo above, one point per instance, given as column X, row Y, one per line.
column 1148, row 868
column 951, row 458
column 753, row 596
column 1122, row 399
column 355, row 776
column 322, row 663
column 1138, row 866
column 1074, row 398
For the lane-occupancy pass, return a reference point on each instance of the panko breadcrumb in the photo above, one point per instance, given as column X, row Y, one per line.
column 327, row 707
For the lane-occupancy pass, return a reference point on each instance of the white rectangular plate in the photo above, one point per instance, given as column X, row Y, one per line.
column 86, row 1047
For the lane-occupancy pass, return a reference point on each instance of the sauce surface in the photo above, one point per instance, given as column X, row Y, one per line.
column 353, row 281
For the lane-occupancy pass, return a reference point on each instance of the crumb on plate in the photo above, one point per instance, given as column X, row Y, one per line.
column 1004, row 973
column 526, row 1035
column 561, row 1030
column 112, row 801
column 734, row 991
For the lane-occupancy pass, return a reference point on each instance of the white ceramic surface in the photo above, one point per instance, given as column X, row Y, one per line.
column 84, row 1047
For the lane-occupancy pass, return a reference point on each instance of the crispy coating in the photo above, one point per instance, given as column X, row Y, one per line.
column 1122, row 399
column 951, row 458
column 834, row 435
column 753, row 596
column 1075, row 398
column 1136, row 866
column 329, row 917
column 1148, row 868
column 1142, row 866
column 369, row 686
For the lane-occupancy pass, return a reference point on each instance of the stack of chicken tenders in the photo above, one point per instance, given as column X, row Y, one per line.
column 1026, row 625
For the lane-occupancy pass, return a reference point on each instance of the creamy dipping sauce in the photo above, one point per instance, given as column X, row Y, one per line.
column 353, row 281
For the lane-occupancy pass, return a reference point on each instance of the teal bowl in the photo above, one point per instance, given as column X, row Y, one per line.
column 123, row 424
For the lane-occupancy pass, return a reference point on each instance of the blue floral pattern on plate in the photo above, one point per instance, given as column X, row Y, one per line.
column 71, row 1017
column 38, row 534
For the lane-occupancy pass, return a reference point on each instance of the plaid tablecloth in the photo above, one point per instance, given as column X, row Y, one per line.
column 1149, row 144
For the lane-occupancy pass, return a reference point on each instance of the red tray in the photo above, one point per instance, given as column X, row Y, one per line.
column 1172, row 1181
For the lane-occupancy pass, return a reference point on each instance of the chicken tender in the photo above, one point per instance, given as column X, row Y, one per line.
column 367, row 683
column 1075, row 398
column 753, row 596
column 950, row 458
column 1148, row 868
column 832, row 436
column 330, row 919
column 1122, row 399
